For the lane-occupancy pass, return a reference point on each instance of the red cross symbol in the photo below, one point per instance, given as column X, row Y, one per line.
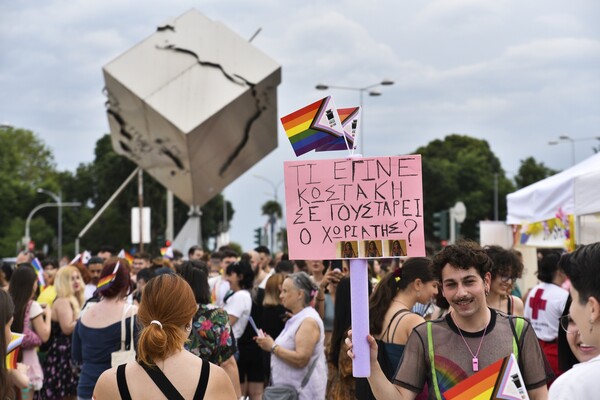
column 537, row 303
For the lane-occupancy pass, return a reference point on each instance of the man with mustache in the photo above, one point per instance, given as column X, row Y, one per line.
column 470, row 338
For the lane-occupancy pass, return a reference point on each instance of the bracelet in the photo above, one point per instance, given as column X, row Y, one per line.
column 320, row 299
column 275, row 345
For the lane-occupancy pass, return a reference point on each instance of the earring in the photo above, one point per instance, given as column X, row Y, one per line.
column 188, row 327
column 591, row 326
column 419, row 296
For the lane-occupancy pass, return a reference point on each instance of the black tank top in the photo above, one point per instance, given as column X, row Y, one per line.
column 163, row 383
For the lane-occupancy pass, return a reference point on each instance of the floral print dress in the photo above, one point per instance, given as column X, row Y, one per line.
column 60, row 380
column 211, row 338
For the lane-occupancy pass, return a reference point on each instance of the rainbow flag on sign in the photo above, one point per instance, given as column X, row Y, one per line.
column 501, row 380
column 313, row 126
column 37, row 265
column 350, row 118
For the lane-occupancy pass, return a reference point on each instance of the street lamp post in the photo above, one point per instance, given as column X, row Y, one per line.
column 565, row 138
column 27, row 236
column 58, row 199
column 361, row 90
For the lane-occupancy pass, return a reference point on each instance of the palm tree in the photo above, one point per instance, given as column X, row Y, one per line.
column 272, row 208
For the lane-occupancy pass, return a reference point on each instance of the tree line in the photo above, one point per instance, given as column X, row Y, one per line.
column 456, row 168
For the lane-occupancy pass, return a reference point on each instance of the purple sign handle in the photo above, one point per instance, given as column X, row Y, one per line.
column 359, row 299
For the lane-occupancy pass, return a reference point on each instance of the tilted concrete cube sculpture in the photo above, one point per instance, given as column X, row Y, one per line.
column 194, row 105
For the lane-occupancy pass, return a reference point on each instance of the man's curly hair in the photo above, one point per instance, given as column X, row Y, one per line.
column 464, row 255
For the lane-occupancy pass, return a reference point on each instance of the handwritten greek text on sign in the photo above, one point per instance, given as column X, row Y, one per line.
column 355, row 207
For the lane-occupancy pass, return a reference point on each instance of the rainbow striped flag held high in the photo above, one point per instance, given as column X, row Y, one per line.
column 501, row 380
column 313, row 126
column 350, row 118
column 37, row 265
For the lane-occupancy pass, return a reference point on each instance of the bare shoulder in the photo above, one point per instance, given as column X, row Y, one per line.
column 309, row 323
column 219, row 384
column 405, row 327
column 106, row 386
column 518, row 308
column 60, row 302
column 412, row 320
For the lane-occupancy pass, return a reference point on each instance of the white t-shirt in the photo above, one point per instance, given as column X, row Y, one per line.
column 218, row 289
column 35, row 310
column 239, row 305
column 577, row 383
column 263, row 283
column 89, row 290
column 543, row 307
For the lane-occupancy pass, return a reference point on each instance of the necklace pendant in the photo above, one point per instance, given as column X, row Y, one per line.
column 475, row 364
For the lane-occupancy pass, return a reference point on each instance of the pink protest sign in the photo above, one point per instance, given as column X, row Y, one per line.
column 355, row 207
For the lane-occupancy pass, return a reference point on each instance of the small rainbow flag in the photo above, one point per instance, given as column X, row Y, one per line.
column 350, row 118
column 37, row 265
column 501, row 380
column 12, row 350
column 313, row 126
column 108, row 279
column 11, row 359
column 125, row 255
column 15, row 341
column 166, row 252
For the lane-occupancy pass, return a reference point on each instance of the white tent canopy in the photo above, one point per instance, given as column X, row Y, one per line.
column 575, row 190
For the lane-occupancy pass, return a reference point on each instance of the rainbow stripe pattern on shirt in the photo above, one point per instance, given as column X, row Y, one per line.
column 448, row 373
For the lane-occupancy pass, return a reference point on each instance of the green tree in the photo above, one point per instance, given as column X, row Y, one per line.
column 272, row 208
column 107, row 172
column 531, row 171
column 462, row 168
column 25, row 165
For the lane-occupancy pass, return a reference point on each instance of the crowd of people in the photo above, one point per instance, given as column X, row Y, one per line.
column 255, row 325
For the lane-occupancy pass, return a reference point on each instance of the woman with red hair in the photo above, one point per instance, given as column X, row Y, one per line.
column 163, row 367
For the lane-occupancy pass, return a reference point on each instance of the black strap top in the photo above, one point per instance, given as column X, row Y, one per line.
column 163, row 383
column 509, row 305
column 386, row 334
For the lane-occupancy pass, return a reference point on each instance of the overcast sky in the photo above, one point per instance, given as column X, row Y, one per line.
column 515, row 73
